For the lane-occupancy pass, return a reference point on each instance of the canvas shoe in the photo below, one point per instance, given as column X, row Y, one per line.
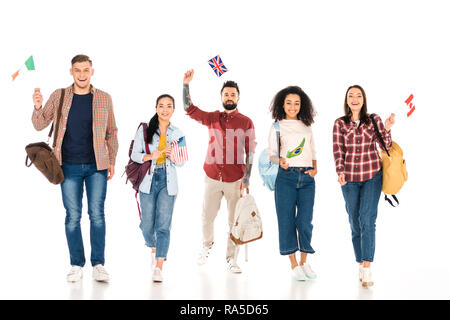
column 367, row 277
column 203, row 256
column 233, row 267
column 75, row 274
column 99, row 273
column 298, row 274
column 157, row 275
column 309, row 273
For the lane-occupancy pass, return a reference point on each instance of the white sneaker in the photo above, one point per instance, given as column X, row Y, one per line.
column 75, row 274
column 203, row 256
column 367, row 277
column 157, row 275
column 233, row 267
column 298, row 274
column 309, row 273
column 99, row 273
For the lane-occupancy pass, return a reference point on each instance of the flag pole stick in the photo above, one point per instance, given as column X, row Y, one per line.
column 36, row 76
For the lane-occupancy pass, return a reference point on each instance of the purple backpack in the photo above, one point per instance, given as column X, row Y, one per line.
column 136, row 171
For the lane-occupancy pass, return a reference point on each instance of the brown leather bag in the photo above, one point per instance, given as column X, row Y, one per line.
column 41, row 155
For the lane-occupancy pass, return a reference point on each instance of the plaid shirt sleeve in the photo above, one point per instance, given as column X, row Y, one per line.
column 386, row 135
column 111, row 133
column 338, row 147
column 44, row 116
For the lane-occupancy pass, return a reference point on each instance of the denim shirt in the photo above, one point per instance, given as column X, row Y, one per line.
column 138, row 153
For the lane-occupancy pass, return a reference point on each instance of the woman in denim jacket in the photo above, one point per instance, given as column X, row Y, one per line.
column 158, row 190
column 294, row 185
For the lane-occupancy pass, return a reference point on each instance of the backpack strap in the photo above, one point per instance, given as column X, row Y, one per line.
column 246, row 252
column 144, row 129
column 372, row 117
column 240, row 192
column 147, row 149
column 389, row 200
column 139, row 207
column 58, row 118
column 276, row 125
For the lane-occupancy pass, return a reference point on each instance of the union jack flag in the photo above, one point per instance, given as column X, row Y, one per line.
column 179, row 151
column 217, row 65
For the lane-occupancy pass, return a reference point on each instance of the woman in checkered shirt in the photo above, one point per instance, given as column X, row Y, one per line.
column 358, row 166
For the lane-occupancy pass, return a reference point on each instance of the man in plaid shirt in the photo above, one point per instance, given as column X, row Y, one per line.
column 86, row 147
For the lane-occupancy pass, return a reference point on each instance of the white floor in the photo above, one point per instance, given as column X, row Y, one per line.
column 411, row 257
column 263, row 278
column 188, row 282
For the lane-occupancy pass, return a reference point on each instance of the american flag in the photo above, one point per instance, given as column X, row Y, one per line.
column 217, row 65
column 179, row 150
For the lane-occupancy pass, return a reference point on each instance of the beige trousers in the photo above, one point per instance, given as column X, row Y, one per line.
column 214, row 191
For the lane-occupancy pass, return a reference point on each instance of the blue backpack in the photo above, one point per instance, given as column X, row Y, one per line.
column 267, row 169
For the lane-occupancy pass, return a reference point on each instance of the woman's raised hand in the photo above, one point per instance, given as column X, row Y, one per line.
column 390, row 122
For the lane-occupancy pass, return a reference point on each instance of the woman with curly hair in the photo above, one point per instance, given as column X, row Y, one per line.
column 294, row 151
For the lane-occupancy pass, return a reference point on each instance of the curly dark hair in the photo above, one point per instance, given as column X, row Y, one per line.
column 306, row 114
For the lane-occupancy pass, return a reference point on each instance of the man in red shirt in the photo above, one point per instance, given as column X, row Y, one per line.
column 231, row 135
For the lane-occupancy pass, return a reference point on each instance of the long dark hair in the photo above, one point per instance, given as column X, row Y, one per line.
column 153, row 124
column 363, row 116
column 306, row 114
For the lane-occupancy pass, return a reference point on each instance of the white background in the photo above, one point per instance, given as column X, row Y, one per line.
column 140, row 50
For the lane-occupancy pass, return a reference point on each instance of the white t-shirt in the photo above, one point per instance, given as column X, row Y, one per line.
column 297, row 144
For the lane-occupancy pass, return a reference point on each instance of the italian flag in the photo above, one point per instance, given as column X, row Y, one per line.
column 29, row 64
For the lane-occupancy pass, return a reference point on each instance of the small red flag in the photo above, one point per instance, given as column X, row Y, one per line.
column 411, row 106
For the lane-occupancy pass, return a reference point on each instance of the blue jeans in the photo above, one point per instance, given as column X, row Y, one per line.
column 75, row 177
column 156, row 218
column 294, row 202
column 361, row 202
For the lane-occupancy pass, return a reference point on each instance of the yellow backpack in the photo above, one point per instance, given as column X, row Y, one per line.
column 393, row 166
column 394, row 169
